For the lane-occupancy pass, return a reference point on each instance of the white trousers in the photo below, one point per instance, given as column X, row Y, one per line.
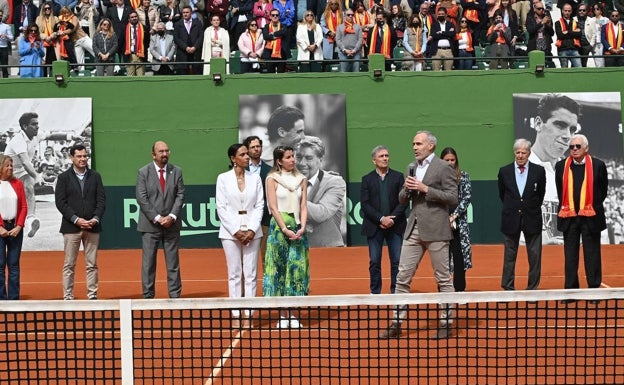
column 242, row 265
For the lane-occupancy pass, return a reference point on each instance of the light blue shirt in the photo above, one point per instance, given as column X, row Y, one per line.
column 521, row 178
column 255, row 169
column 5, row 29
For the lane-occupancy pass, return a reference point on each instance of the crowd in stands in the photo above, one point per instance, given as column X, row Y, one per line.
column 182, row 36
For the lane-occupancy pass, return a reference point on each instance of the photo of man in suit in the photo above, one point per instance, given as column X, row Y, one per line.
column 160, row 195
column 188, row 35
column 521, row 188
column 582, row 185
column 81, row 200
column 327, row 191
column 162, row 49
column 431, row 187
column 383, row 216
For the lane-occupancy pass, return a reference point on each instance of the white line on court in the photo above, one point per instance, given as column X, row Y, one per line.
column 216, row 371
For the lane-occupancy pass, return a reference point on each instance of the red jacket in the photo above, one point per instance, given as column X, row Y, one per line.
column 22, row 206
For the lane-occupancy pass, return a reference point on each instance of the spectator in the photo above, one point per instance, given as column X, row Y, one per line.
column 331, row 19
column 382, row 38
column 105, row 47
column 81, row 41
column 275, row 48
column 262, row 12
column 46, row 22
column 599, row 21
column 119, row 14
column 499, row 36
column 443, row 42
column 398, row 21
column 613, row 41
column 216, row 44
column 349, row 40
column 6, row 37
column 170, row 14
column 188, row 36
column 241, row 12
column 251, row 47
column 64, row 29
column 587, row 25
column 24, row 14
column 288, row 18
column 218, row 8
column 521, row 8
column 135, row 50
column 568, row 38
column 540, row 28
column 309, row 40
column 465, row 45
column 162, row 49
column 31, row 53
column 476, row 14
column 148, row 17
column 87, row 16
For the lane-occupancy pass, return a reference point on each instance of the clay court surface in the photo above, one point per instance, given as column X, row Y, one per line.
column 333, row 271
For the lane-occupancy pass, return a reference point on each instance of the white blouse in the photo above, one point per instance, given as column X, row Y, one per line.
column 8, row 201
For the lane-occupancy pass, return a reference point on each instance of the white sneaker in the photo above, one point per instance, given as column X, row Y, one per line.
column 283, row 323
column 295, row 324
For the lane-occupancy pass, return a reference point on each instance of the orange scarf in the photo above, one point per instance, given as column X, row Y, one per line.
column 564, row 28
column 371, row 3
column 610, row 35
column 332, row 24
column 469, row 47
column 348, row 27
column 140, row 48
column 500, row 38
column 385, row 44
column 62, row 49
column 135, row 4
column 586, row 208
column 363, row 19
column 47, row 27
column 254, row 38
column 275, row 45
column 418, row 33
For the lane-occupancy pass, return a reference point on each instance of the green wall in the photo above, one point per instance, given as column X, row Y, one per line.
column 471, row 111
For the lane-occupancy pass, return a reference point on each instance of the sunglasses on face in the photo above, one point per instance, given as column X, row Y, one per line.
column 463, row 21
column 253, row 25
column 582, row 10
column 575, row 146
column 615, row 16
column 349, row 14
column 274, row 15
column 46, row 9
column 539, row 8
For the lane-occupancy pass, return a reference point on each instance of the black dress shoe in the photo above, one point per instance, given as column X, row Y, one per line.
column 567, row 301
column 394, row 331
column 594, row 301
column 441, row 334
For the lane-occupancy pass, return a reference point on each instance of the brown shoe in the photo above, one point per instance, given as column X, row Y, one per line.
column 442, row 333
column 394, row 331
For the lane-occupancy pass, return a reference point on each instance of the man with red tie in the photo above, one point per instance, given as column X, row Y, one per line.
column 160, row 195
column 521, row 188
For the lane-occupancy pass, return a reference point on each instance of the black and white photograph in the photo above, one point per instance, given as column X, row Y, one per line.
column 549, row 120
column 314, row 125
column 37, row 134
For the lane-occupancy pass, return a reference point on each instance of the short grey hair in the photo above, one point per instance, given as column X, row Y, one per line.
column 377, row 149
column 583, row 139
column 522, row 143
column 430, row 137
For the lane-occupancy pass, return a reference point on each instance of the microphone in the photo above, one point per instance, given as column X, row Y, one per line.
column 412, row 172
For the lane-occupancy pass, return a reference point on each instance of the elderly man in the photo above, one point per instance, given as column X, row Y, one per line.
column 162, row 49
column 582, row 187
column 431, row 187
column 521, row 189
column 326, row 196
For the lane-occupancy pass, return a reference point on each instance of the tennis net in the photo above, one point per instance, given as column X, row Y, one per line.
column 496, row 337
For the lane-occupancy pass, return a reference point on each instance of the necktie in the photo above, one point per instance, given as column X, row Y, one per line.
column 188, row 27
column 521, row 168
column 147, row 23
column 162, row 179
column 135, row 43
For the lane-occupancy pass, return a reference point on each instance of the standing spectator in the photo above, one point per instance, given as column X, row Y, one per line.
column 87, row 16
column 119, row 14
column 383, row 217
column 414, row 44
column 275, row 48
column 135, row 50
column 500, row 39
column 46, row 22
column 382, row 38
column 465, row 45
column 349, row 39
column 251, row 47
column 6, row 37
column 326, row 195
column 460, row 247
column 198, row 8
column 521, row 188
column 240, row 206
column 105, row 47
column 148, row 17
column 365, row 20
column 170, row 14
column 80, row 198
column 162, row 49
column 398, row 21
column 582, row 185
column 216, row 44
column 442, row 42
column 613, row 40
column 24, row 14
column 330, row 20
column 309, row 40
column 242, row 11
column 218, row 8
column 188, row 35
column 80, row 40
column 568, row 38
column 262, row 12
column 599, row 21
column 31, row 53
column 287, row 264
column 13, row 209
column 521, row 8
column 540, row 28
column 288, row 18
column 431, row 188
column 160, row 195
column 587, row 25
column 64, row 29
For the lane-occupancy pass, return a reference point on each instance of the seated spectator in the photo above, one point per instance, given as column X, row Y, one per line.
column 414, row 45
column 309, row 40
column 250, row 46
column 162, row 47
column 216, row 44
column 105, row 47
column 465, row 45
column 398, row 21
column 349, row 41
column 31, row 53
column 499, row 37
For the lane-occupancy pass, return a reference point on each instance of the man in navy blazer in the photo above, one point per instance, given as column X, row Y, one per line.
column 384, row 216
column 80, row 198
column 188, row 35
column 160, row 195
column 521, row 188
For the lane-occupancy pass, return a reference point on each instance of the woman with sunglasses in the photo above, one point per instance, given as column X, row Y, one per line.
column 466, row 47
column 600, row 21
column 251, row 46
column 331, row 19
column 46, row 22
column 105, row 47
column 31, row 53
column 309, row 40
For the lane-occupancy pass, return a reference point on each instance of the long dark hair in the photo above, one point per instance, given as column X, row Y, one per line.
column 451, row 150
column 232, row 150
column 278, row 154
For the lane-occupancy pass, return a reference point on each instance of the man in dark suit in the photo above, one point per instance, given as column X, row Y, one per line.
column 160, row 195
column 384, row 217
column 24, row 14
column 443, row 42
column 257, row 166
column 581, row 211
column 162, row 49
column 119, row 13
column 521, row 188
column 188, row 35
column 79, row 196
column 431, row 187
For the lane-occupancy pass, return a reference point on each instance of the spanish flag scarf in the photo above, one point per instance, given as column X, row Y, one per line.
column 140, row 34
column 135, row 4
column 62, row 28
column 348, row 27
column 586, row 208
column 614, row 42
column 564, row 29
column 464, row 32
column 333, row 21
column 385, row 44
column 275, row 45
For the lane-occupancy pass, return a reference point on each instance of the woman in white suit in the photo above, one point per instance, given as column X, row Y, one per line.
column 216, row 44
column 240, row 204
column 309, row 40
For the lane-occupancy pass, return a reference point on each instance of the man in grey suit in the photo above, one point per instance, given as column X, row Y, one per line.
column 431, row 186
column 162, row 49
column 326, row 196
column 160, row 195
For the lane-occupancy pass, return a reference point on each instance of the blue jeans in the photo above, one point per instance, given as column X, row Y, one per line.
column 352, row 66
column 375, row 245
column 10, row 250
column 467, row 63
column 574, row 56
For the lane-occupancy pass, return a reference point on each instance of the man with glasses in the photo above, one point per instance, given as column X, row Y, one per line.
column 582, row 185
column 540, row 27
column 349, row 41
column 587, row 25
column 613, row 40
column 275, row 49
column 568, row 38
